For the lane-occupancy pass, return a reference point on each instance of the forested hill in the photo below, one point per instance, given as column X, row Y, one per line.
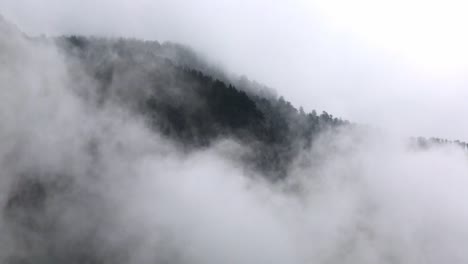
column 179, row 96
column 195, row 104
column 86, row 178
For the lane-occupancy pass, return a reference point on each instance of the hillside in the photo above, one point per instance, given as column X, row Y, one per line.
column 190, row 106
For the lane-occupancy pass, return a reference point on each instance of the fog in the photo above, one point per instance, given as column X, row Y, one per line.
column 398, row 65
column 117, row 192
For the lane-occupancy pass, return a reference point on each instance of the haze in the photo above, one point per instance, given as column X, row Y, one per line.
column 112, row 152
column 395, row 64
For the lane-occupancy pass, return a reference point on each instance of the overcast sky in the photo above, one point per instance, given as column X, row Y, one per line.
column 400, row 64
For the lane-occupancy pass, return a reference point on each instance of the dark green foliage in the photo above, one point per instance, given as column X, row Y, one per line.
column 193, row 108
column 214, row 109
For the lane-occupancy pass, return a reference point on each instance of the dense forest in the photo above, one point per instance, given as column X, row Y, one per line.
column 177, row 93
column 194, row 104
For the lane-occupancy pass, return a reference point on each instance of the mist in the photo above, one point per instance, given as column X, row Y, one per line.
column 106, row 188
column 319, row 54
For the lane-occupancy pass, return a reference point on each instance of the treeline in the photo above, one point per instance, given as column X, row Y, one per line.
column 193, row 108
column 426, row 143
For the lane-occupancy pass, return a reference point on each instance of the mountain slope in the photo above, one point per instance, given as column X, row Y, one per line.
column 193, row 108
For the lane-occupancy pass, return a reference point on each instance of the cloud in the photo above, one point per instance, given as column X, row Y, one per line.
column 120, row 193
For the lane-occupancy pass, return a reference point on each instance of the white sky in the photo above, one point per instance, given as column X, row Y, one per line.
column 398, row 64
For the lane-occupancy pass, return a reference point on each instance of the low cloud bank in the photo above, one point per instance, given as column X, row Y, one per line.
column 82, row 183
